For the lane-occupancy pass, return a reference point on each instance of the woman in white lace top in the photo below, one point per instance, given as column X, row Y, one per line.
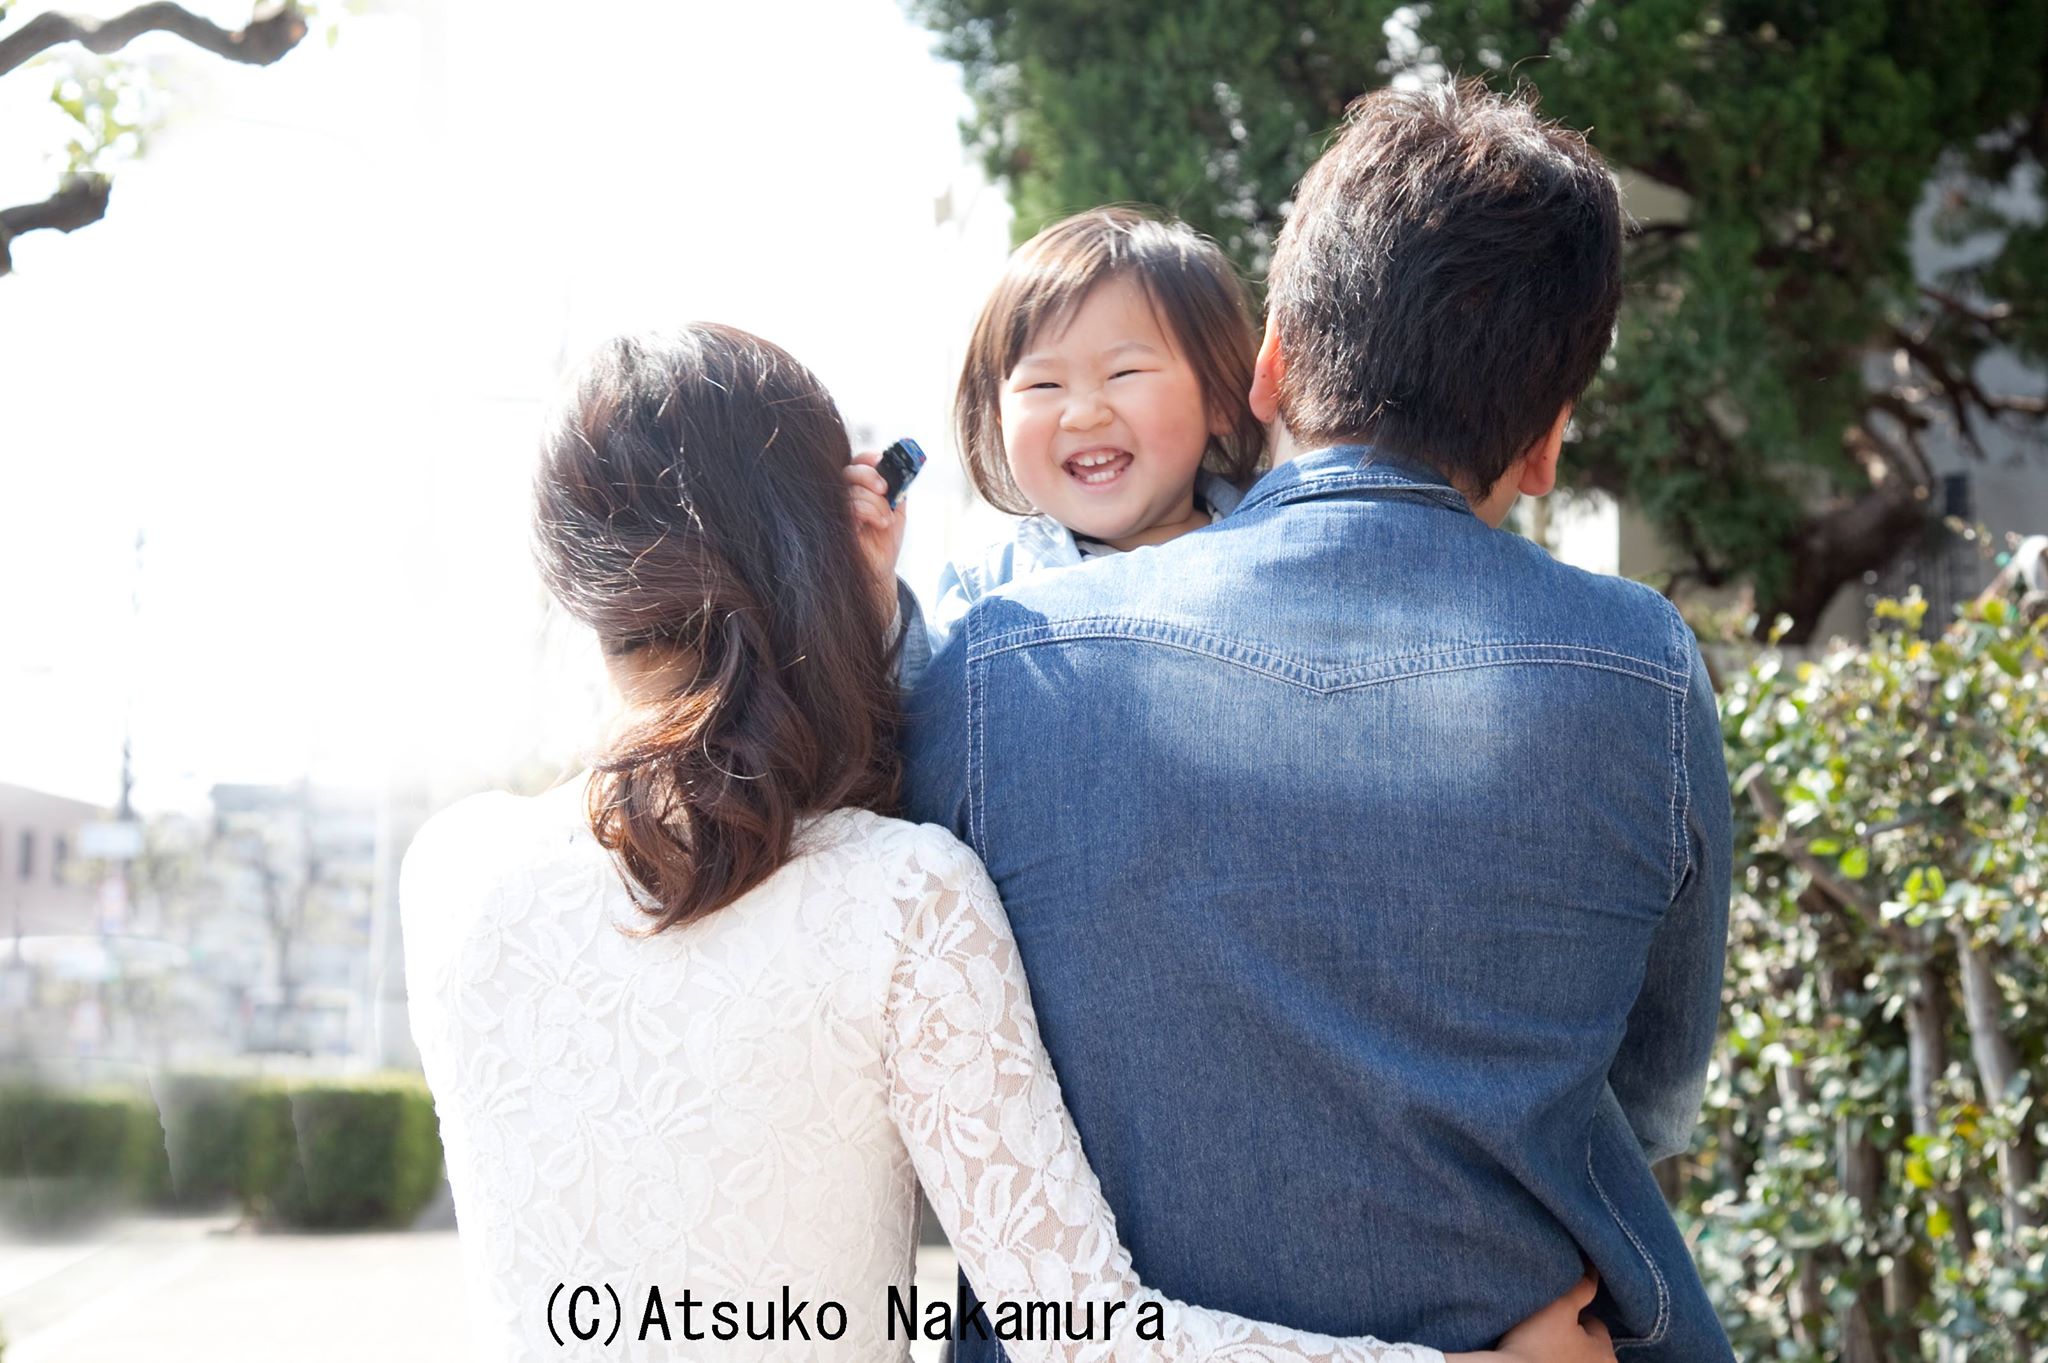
column 700, row 1023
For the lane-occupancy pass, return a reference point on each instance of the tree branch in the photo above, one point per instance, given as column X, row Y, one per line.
column 1908, row 463
column 1962, row 390
column 1988, row 316
column 1842, row 544
column 266, row 38
column 1843, row 891
column 1998, row 1065
column 80, row 202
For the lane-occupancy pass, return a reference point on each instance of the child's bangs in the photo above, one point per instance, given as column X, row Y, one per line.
column 1047, row 299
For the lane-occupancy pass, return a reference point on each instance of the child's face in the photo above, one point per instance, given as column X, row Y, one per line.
column 1103, row 423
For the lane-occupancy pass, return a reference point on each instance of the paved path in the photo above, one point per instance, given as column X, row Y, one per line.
column 200, row 1290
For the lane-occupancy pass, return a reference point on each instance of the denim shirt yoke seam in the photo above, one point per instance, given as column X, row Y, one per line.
column 1108, row 625
column 1465, row 657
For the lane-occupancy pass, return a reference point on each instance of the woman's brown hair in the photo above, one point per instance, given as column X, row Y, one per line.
column 1189, row 282
column 690, row 502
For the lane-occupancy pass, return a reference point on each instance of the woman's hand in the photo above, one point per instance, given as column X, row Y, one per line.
column 878, row 529
column 1553, row 1335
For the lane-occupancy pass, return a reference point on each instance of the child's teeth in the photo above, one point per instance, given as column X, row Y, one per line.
column 1095, row 468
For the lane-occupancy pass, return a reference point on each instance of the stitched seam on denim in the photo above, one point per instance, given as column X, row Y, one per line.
column 1681, row 844
column 1411, row 674
column 1663, row 1321
column 1118, row 626
column 1163, row 632
column 1308, row 679
column 976, row 727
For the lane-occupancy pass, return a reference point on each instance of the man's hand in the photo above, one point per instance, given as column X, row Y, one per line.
column 878, row 529
column 1553, row 1335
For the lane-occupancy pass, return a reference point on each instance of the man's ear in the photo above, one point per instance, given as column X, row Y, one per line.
column 1267, row 372
column 1539, row 465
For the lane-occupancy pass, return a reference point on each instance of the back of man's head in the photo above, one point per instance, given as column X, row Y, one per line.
column 1447, row 281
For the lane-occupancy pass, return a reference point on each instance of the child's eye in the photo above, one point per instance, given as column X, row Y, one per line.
column 1121, row 372
column 1042, row 383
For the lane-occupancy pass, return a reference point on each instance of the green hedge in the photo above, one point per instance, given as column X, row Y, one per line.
column 326, row 1154
column 66, row 1157
column 336, row 1155
column 203, row 1118
column 1870, row 1184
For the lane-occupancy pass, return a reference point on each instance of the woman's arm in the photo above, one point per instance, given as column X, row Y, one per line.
column 979, row 1108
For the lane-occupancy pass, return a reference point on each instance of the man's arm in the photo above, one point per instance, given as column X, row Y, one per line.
column 1660, row 1073
column 935, row 740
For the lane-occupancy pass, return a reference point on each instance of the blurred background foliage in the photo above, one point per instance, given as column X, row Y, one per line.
column 1781, row 365
column 1868, row 1184
column 327, row 1154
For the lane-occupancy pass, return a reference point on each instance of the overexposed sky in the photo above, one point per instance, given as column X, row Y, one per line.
column 307, row 351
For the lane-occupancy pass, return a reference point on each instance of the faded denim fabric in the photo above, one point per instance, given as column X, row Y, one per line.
column 1371, row 869
column 1033, row 545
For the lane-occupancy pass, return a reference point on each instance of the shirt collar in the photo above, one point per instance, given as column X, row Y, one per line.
column 1345, row 468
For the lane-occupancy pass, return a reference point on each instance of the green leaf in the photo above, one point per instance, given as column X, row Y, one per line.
column 1855, row 863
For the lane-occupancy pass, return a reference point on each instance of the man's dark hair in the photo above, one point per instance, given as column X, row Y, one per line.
column 1447, row 281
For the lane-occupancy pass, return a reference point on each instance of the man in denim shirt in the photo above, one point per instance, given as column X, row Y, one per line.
column 1369, row 866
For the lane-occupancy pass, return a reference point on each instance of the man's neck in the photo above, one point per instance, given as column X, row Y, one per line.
column 1281, row 444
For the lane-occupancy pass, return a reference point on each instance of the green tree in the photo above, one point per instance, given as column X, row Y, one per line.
column 1779, row 368
column 1869, row 1178
column 114, row 103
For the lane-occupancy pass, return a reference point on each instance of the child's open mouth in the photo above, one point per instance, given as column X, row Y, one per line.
column 1097, row 468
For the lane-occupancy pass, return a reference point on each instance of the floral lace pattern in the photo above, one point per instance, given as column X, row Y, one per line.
column 747, row 1103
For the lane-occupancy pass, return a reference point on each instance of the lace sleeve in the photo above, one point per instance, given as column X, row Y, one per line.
column 979, row 1108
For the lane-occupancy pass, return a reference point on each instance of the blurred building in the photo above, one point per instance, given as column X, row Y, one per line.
column 40, row 892
column 294, row 872
column 266, row 926
column 51, row 910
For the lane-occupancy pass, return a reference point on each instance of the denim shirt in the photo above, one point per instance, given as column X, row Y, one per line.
column 1033, row 545
column 1371, row 869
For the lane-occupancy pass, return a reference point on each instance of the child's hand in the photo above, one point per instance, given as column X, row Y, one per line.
column 878, row 529
column 1553, row 1335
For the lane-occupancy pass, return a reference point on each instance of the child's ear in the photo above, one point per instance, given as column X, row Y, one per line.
column 1267, row 371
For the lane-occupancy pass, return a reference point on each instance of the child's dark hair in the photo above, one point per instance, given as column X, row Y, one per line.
column 1447, row 281
column 1201, row 302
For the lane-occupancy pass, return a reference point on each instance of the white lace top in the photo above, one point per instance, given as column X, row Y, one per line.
column 747, row 1103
